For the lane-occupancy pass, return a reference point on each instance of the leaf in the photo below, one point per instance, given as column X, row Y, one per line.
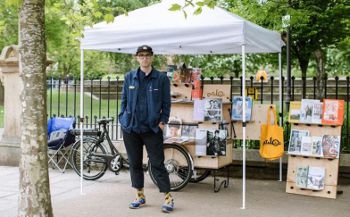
column 175, row 7
column 200, row 4
column 109, row 18
column 212, row 4
column 98, row 14
column 198, row 11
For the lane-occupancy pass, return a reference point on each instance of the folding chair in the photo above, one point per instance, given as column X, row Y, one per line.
column 60, row 139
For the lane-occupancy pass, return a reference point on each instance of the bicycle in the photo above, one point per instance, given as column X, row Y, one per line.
column 97, row 158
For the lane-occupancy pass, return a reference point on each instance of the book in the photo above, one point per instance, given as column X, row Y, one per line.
column 306, row 110
column 196, row 74
column 331, row 146
column 294, row 112
column 306, row 146
column 213, row 109
column 301, row 176
column 176, row 140
column 237, row 108
column 317, row 113
column 198, row 110
column 173, row 128
column 316, row 178
column 333, row 112
column 188, row 131
column 216, row 142
column 201, row 142
column 197, row 94
column 295, row 141
column 317, row 150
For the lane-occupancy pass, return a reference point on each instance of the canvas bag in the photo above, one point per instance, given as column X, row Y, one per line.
column 271, row 138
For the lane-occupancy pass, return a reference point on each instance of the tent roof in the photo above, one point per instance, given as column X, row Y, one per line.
column 214, row 31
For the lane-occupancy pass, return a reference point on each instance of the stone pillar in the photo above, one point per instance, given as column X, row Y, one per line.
column 9, row 75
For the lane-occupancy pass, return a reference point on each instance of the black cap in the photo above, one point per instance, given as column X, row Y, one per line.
column 144, row 48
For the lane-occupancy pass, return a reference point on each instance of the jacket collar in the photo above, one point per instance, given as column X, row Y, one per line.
column 153, row 73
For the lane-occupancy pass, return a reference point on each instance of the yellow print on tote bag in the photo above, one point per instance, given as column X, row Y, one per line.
column 271, row 138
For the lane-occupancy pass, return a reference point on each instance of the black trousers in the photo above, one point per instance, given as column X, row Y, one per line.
column 154, row 145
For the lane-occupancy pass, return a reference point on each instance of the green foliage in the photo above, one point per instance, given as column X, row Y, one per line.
column 314, row 24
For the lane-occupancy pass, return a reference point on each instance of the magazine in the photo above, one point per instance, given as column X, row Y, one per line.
column 173, row 128
column 295, row 141
column 331, row 146
column 216, row 142
column 237, row 108
column 198, row 110
column 310, row 177
column 294, row 112
column 213, row 109
column 317, row 113
column 306, row 145
column 188, row 131
column 333, row 112
column 301, row 176
column 177, row 140
column 316, row 178
column 307, row 110
column 201, row 142
column 196, row 74
column 317, row 150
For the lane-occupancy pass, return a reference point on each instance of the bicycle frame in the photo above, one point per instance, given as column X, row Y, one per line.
column 114, row 151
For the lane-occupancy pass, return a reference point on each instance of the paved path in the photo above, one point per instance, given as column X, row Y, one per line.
column 110, row 196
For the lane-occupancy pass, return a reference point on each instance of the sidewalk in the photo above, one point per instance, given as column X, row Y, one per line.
column 110, row 196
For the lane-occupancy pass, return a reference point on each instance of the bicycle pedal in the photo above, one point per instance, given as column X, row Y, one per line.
column 117, row 173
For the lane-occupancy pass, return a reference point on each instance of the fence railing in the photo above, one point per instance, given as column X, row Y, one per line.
column 102, row 98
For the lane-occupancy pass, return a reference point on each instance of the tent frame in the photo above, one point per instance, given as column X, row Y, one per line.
column 243, row 55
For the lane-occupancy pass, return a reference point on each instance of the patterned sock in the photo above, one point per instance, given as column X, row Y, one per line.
column 168, row 197
column 140, row 193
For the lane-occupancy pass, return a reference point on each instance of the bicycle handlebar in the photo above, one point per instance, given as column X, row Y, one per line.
column 105, row 120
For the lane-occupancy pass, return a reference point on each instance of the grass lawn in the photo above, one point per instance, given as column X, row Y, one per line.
column 92, row 106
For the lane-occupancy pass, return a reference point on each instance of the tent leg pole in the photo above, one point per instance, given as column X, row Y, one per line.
column 244, row 129
column 280, row 105
column 81, row 117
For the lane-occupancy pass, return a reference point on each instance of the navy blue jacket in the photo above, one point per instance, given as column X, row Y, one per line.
column 158, row 100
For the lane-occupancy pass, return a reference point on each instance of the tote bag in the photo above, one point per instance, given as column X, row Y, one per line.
column 271, row 138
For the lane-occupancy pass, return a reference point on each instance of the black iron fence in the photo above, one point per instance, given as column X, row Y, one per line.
column 102, row 98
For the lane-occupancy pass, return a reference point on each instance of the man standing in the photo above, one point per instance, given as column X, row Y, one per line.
column 145, row 109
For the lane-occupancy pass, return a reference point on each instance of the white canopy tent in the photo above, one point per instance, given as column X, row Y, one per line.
column 214, row 31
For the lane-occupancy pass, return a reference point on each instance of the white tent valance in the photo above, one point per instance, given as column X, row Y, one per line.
column 214, row 31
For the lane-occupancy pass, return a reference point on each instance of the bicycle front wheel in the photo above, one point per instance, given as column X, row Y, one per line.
column 178, row 165
column 94, row 166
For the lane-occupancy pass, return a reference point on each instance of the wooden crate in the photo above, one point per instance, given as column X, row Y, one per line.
column 210, row 162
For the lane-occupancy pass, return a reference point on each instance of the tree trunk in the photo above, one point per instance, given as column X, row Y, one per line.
column 321, row 74
column 303, row 63
column 34, row 198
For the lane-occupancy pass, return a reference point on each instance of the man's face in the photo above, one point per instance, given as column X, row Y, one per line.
column 145, row 59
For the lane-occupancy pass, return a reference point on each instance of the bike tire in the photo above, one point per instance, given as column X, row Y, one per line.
column 178, row 164
column 203, row 174
column 93, row 168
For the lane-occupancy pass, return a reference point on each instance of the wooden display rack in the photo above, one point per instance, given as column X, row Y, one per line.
column 331, row 165
column 259, row 117
column 184, row 110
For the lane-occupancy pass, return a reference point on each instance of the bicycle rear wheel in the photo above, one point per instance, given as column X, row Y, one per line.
column 199, row 175
column 94, row 167
column 178, row 164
